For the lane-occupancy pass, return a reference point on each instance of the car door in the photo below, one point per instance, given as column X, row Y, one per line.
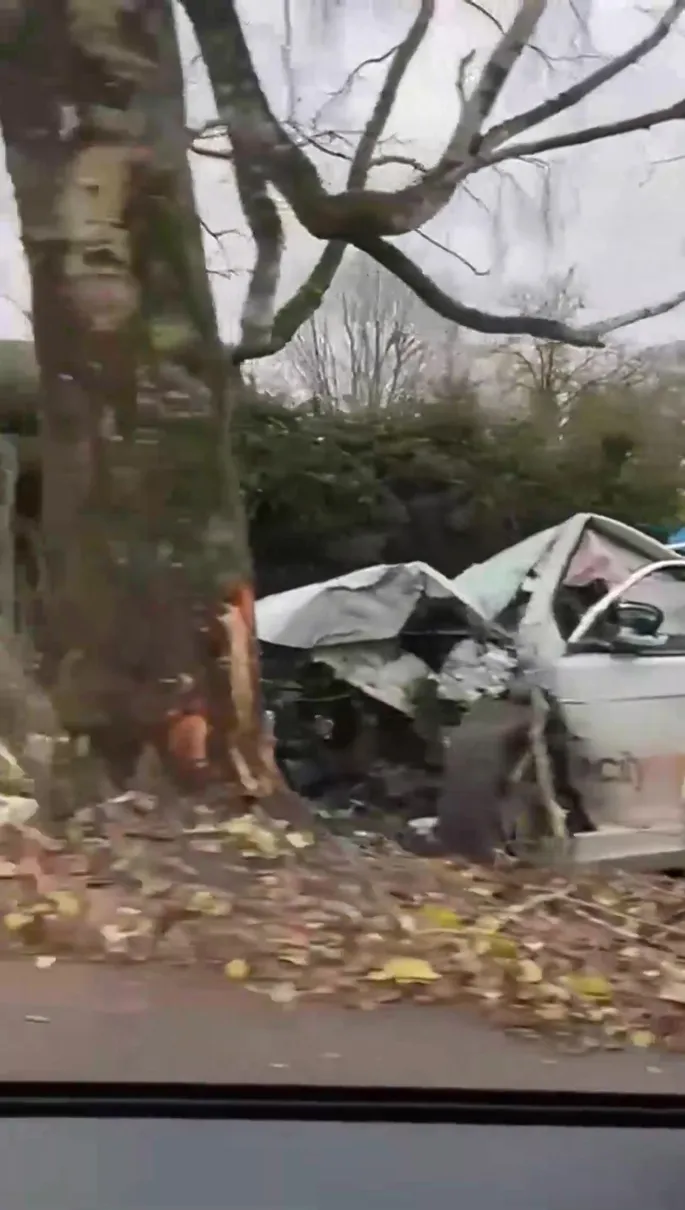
column 625, row 708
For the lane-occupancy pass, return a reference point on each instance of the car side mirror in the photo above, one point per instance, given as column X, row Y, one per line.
column 639, row 617
column 626, row 628
column 619, row 644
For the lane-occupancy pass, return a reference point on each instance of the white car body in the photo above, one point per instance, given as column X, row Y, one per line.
column 624, row 711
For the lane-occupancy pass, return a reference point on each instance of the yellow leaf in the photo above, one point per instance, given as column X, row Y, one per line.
column 439, row 917
column 529, row 971
column 642, row 1038
column 300, row 840
column 15, row 921
column 591, row 987
column 502, row 947
column 606, row 898
column 237, row 968
column 242, row 825
column 208, row 904
column 66, row 903
column 260, row 838
column 264, row 841
column 405, row 970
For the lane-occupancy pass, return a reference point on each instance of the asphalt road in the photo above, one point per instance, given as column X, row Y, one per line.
column 104, row 1023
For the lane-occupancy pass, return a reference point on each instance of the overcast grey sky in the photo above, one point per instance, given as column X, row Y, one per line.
column 620, row 222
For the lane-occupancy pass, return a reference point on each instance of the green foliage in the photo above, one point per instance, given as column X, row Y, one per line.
column 316, row 483
column 310, row 478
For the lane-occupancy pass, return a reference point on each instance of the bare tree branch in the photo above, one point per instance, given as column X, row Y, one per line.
column 267, row 231
column 578, row 92
column 478, row 107
column 591, row 134
column 348, row 83
column 287, row 57
column 590, row 336
column 361, row 217
column 243, row 106
column 463, row 260
column 357, row 212
column 308, row 297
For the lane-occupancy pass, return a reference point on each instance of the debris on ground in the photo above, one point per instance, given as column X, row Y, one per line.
column 291, row 914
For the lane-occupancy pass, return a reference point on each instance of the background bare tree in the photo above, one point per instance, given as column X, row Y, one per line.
column 546, row 379
column 364, row 348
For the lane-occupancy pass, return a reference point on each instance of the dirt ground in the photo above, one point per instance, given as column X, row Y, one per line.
column 180, row 913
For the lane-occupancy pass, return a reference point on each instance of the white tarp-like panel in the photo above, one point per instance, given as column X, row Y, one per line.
column 349, row 622
column 365, row 606
column 390, row 675
column 379, row 669
column 493, row 584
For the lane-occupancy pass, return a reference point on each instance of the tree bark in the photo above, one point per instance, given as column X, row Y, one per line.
column 91, row 106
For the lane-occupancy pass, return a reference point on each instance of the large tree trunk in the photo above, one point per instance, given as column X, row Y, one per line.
column 91, row 106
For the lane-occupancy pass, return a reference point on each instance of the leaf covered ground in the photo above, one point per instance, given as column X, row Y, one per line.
column 290, row 912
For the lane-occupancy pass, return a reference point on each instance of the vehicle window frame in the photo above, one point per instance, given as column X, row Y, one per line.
column 600, row 607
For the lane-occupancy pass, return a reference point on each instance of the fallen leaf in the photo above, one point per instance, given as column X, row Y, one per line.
column 487, row 924
column 209, row 904
column 283, row 993
column 114, row 937
column 260, row 838
column 591, row 987
column 529, row 971
column 642, row 1038
column 405, row 970
column 552, row 1012
column 606, row 898
column 16, row 810
column 153, row 887
column 237, row 968
column 15, row 921
column 300, row 840
column 439, row 917
column 503, row 947
column 65, row 902
column 295, row 957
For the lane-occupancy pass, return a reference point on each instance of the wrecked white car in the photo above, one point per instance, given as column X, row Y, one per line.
column 592, row 614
